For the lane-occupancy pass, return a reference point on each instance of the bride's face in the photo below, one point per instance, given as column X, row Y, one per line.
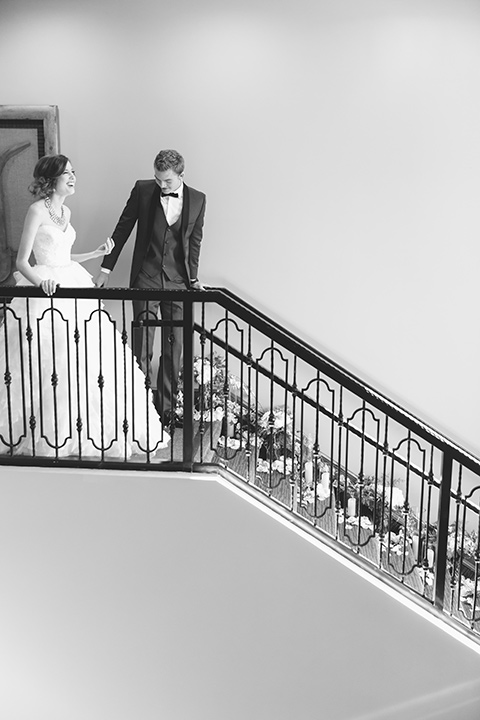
column 66, row 182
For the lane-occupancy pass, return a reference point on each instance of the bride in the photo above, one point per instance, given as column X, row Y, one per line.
column 69, row 384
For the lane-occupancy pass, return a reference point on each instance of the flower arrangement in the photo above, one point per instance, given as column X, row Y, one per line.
column 369, row 498
column 281, row 450
column 218, row 393
column 353, row 521
column 463, row 545
column 469, row 594
column 460, row 540
column 413, row 524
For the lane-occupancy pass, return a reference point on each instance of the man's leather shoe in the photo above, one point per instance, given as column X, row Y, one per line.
column 171, row 422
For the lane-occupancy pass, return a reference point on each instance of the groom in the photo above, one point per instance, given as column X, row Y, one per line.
column 169, row 216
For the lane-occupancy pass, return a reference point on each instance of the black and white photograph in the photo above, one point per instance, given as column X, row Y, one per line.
column 239, row 360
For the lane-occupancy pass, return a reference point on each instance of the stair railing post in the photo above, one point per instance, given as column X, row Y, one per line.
column 442, row 532
column 188, row 381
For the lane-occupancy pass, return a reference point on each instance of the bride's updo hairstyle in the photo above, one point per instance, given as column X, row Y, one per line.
column 46, row 173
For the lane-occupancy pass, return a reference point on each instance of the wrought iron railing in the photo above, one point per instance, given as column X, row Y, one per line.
column 258, row 405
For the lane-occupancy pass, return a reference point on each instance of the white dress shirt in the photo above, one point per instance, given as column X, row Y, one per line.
column 172, row 206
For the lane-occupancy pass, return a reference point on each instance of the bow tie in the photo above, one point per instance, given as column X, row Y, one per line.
column 169, row 194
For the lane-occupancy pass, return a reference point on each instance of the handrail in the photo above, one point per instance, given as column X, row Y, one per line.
column 300, row 347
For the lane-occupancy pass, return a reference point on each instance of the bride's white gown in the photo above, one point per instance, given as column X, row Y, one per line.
column 69, row 383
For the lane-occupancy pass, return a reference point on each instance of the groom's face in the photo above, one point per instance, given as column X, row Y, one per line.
column 168, row 180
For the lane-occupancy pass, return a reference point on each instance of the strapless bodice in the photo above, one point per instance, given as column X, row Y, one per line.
column 52, row 245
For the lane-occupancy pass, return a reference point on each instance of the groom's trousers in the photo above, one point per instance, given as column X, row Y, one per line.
column 169, row 366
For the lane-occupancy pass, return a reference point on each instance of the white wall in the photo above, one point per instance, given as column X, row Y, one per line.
column 170, row 598
column 338, row 144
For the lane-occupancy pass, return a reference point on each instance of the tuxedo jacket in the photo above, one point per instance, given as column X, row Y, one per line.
column 140, row 209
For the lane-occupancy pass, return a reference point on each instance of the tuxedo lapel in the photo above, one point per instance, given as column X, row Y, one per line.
column 154, row 203
column 185, row 211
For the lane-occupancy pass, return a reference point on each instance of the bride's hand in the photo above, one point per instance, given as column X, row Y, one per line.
column 106, row 248
column 49, row 286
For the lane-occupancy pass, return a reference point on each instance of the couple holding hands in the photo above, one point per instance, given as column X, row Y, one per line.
column 169, row 216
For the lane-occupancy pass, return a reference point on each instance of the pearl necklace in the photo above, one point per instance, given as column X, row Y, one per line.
column 58, row 219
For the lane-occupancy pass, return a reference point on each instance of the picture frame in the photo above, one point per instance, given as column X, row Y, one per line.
column 27, row 133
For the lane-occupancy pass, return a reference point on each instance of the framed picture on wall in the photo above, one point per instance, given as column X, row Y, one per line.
column 27, row 132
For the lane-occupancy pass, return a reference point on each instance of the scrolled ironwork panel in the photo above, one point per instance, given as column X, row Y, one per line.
column 14, row 356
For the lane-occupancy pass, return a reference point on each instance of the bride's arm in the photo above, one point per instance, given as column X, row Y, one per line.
column 33, row 220
column 102, row 250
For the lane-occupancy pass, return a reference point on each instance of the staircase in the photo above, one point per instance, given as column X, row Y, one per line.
column 326, row 452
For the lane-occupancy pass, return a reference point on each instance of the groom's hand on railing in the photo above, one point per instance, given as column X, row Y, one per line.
column 101, row 279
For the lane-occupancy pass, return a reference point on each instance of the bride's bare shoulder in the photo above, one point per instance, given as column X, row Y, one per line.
column 38, row 209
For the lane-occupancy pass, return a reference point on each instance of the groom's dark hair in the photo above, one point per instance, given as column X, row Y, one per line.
column 45, row 174
column 169, row 160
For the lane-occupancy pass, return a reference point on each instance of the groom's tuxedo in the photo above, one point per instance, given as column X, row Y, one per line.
column 142, row 208
column 164, row 257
